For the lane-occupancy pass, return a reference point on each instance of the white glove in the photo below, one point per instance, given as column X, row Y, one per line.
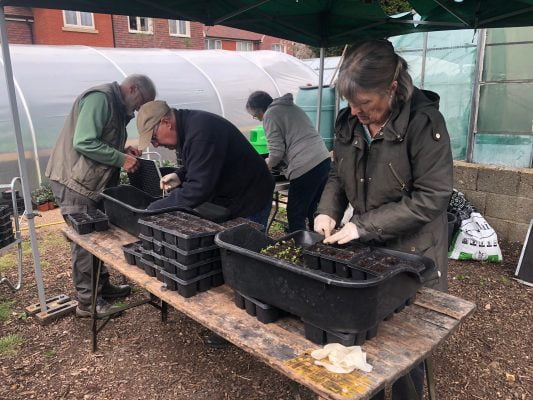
column 340, row 359
column 170, row 181
column 324, row 224
column 347, row 233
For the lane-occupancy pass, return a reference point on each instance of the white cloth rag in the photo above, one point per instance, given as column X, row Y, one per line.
column 341, row 359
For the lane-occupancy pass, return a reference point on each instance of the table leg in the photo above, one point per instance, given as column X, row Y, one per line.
column 430, row 377
column 276, row 207
column 164, row 311
column 95, row 277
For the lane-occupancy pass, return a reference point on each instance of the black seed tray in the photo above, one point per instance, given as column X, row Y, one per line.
column 5, row 218
column 81, row 223
column 171, row 228
column 159, row 274
column 146, row 177
column 147, row 242
column 6, row 241
column 159, row 260
column 325, row 300
column 264, row 312
column 125, row 204
column 147, row 255
column 336, row 260
column 322, row 336
column 100, row 220
column 186, row 272
column 6, row 228
column 239, row 221
column 188, row 288
column 131, row 251
column 147, row 266
column 192, row 256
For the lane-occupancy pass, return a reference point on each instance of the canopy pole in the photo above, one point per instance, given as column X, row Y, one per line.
column 320, row 86
column 474, row 108
column 21, row 159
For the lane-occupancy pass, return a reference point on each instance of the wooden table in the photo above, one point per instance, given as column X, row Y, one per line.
column 402, row 342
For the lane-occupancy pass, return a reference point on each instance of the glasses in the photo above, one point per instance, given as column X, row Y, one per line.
column 154, row 134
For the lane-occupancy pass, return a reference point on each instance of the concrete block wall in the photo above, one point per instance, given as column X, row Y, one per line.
column 503, row 195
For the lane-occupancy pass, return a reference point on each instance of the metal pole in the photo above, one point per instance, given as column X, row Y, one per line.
column 320, row 86
column 21, row 159
column 424, row 55
column 474, row 108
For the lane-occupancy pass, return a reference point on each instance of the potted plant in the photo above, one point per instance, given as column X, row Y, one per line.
column 43, row 197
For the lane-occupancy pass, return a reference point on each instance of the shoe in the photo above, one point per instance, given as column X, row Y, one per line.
column 215, row 341
column 103, row 310
column 111, row 291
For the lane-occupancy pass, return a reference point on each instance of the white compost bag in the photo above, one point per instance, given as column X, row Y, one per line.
column 475, row 240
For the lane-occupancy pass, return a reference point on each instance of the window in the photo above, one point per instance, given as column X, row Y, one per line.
column 178, row 27
column 140, row 25
column 213, row 44
column 278, row 47
column 245, row 46
column 78, row 19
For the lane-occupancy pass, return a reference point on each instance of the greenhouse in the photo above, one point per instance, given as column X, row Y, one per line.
column 488, row 109
column 48, row 79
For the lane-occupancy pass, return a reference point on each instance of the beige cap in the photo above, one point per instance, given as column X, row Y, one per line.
column 150, row 115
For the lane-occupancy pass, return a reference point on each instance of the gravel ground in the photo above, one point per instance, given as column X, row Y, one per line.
column 490, row 357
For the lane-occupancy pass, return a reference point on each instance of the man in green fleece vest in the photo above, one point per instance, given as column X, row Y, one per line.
column 86, row 159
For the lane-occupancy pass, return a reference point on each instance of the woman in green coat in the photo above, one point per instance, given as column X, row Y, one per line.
column 392, row 163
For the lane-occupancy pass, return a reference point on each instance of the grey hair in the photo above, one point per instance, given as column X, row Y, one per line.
column 373, row 65
column 258, row 101
column 145, row 84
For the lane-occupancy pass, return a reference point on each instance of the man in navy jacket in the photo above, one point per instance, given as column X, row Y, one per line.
column 219, row 164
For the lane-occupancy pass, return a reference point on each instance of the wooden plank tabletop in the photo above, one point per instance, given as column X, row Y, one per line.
column 403, row 341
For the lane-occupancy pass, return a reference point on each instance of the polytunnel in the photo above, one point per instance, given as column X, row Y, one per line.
column 49, row 78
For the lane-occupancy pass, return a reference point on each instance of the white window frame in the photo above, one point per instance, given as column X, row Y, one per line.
column 282, row 47
column 249, row 45
column 78, row 25
column 149, row 23
column 176, row 23
column 215, row 41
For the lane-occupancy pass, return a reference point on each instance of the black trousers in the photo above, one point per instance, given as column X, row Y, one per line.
column 304, row 195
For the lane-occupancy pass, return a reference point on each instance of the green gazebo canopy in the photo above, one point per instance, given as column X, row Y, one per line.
column 314, row 22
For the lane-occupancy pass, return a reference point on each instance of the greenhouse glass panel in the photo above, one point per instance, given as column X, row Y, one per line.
column 511, row 150
column 508, row 62
column 413, row 41
column 414, row 62
column 506, row 35
column 506, row 107
column 460, row 38
column 453, row 66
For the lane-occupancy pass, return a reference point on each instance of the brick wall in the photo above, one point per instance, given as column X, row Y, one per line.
column 160, row 37
column 49, row 29
column 19, row 21
column 503, row 195
column 268, row 41
column 19, row 32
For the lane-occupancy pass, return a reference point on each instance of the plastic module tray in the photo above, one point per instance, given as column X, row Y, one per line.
column 335, row 303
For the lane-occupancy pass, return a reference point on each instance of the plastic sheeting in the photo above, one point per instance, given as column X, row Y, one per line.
column 49, row 78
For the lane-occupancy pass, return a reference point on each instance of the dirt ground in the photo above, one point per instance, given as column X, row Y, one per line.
column 490, row 357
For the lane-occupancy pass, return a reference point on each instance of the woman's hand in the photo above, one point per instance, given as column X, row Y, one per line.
column 324, row 224
column 347, row 233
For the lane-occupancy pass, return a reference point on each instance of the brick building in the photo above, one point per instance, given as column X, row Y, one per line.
column 226, row 38
column 19, row 22
column 63, row 27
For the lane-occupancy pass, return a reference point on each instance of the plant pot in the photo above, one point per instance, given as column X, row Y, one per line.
column 43, row 207
column 51, row 205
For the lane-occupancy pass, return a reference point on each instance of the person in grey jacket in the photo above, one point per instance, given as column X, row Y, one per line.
column 293, row 142
column 393, row 164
